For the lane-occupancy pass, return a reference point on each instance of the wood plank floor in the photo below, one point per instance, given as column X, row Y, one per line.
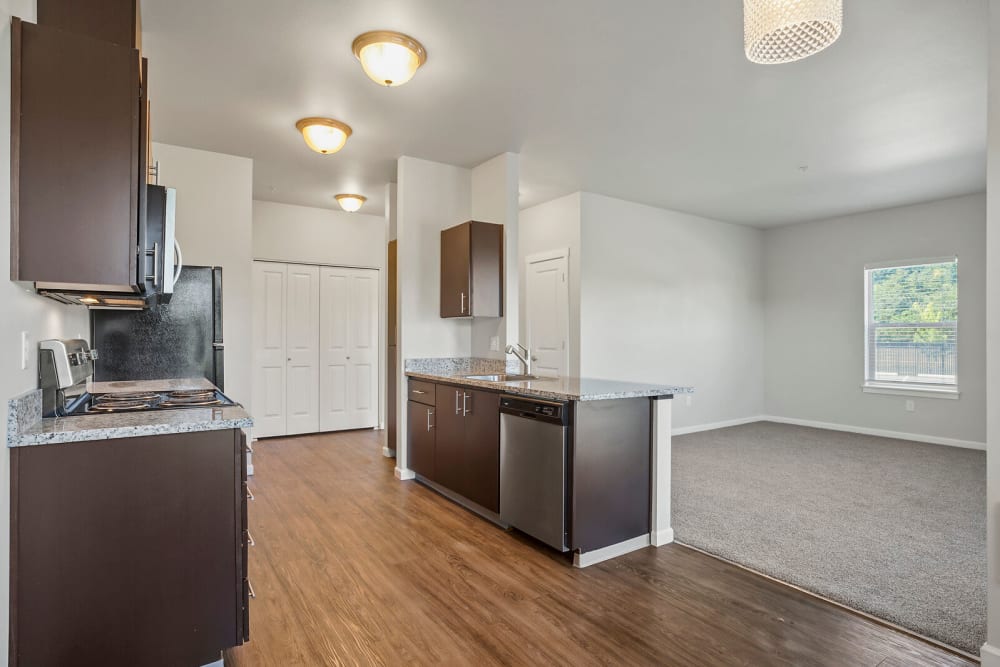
column 353, row 567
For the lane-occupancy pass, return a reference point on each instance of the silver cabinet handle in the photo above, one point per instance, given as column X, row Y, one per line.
column 418, row 391
column 250, row 494
column 465, row 410
column 250, row 540
column 430, row 413
column 458, row 409
column 463, row 304
column 250, row 586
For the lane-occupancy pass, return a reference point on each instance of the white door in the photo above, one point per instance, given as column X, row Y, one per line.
column 269, row 360
column 547, row 312
column 348, row 348
column 302, row 349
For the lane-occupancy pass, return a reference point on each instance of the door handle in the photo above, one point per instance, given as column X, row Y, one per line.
column 463, row 304
column 465, row 410
column 155, row 252
column 430, row 413
column 458, row 409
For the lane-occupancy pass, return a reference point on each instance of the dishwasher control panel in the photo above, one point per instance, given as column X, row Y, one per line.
column 533, row 408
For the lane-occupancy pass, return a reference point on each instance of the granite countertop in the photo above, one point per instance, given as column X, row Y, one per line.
column 560, row 389
column 25, row 425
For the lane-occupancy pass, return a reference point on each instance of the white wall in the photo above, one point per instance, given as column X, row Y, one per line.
column 288, row 233
column 667, row 297
column 814, row 336
column 991, row 652
column 215, row 228
column 494, row 199
column 22, row 309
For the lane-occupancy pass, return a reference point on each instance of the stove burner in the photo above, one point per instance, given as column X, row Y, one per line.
column 192, row 393
column 119, row 406
column 207, row 398
column 127, row 397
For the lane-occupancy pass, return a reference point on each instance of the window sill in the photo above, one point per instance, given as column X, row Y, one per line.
column 920, row 392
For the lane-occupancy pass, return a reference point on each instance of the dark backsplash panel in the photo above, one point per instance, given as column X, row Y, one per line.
column 172, row 340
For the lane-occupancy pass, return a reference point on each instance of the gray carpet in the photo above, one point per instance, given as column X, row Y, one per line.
column 893, row 528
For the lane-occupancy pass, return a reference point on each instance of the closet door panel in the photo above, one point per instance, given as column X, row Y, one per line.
column 364, row 348
column 269, row 360
column 335, row 372
column 302, row 349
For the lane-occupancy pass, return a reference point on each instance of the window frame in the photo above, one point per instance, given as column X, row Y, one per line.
column 907, row 388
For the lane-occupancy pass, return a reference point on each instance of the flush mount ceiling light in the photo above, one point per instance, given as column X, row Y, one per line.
column 389, row 58
column 324, row 135
column 350, row 203
column 783, row 31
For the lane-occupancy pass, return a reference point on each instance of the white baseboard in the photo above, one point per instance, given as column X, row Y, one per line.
column 217, row 663
column 990, row 656
column 711, row 427
column 607, row 553
column 405, row 474
column 388, row 453
column 662, row 537
column 883, row 433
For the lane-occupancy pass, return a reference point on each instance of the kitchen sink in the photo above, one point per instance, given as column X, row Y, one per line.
column 502, row 377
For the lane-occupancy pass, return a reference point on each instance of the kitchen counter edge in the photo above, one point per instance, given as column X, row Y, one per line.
column 564, row 388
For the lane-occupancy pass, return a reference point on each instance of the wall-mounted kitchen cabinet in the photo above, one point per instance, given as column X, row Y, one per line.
column 115, row 21
column 472, row 270
column 78, row 160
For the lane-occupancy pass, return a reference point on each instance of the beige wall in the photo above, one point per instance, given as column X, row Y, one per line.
column 215, row 228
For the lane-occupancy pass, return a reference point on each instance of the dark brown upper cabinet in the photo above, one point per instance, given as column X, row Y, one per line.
column 78, row 159
column 115, row 21
column 472, row 270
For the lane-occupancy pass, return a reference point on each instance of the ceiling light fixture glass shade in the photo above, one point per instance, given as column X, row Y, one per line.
column 350, row 203
column 783, row 31
column 324, row 135
column 389, row 58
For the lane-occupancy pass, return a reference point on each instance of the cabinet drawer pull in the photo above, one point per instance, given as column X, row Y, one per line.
column 430, row 413
column 250, row 586
column 458, row 408
column 463, row 304
column 250, row 541
column 465, row 410
column 250, row 494
column 419, row 391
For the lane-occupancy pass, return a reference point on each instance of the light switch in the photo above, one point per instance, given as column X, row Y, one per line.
column 494, row 343
column 687, row 400
column 911, row 406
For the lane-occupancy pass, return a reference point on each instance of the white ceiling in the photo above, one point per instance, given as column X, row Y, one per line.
column 646, row 100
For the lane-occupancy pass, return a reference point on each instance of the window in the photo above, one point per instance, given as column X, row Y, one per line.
column 911, row 330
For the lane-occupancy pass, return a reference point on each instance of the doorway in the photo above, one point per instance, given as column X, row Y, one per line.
column 315, row 342
column 547, row 311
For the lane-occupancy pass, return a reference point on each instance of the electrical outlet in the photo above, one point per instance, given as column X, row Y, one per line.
column 911, row 406
column 494, row 343
column 687, row 400
column 24, row 350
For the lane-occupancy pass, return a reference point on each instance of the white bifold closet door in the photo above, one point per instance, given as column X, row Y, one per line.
column 315, row 341
column 348, row 355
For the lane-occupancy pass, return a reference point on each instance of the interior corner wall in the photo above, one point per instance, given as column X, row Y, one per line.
column 215, row 228
column 495, row 199
column 430, row 196
column 308, row 235
column 667, row 297
column 814, row 351
column 554, row 225
column 22, row 309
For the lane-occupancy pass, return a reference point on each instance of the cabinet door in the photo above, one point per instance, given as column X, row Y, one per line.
column 422, row 438
column 75, row 155
column 456, row 271
column 481, row 483
column 449, row 452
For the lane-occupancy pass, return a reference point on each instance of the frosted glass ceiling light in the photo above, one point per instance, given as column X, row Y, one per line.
column 324, row 135
column 350, row 203
column 783, row 31
column 389, row 58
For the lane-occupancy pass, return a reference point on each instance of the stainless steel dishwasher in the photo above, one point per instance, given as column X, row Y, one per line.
column 533, row 444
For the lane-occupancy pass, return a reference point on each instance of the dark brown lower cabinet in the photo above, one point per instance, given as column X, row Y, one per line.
column 129, row 551
column 421, row 419
column 467, row 448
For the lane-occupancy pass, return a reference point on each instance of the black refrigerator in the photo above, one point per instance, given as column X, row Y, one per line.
column 179, row 339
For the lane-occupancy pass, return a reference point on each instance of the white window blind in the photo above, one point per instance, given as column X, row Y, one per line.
column 912, row 325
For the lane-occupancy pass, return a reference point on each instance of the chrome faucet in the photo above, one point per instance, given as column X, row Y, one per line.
column 522, row 354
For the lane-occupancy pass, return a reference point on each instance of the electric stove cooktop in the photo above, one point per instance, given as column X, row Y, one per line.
column 103, row 404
